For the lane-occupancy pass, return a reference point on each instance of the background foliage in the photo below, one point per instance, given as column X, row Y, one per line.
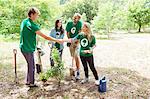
column 105, row 15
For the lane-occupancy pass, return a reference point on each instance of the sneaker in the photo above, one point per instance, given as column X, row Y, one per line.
column 84, row 80
column 33, row 85
column 77, row 75
column 97, row 82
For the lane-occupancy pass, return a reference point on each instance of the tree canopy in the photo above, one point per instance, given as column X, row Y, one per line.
column 102, row 14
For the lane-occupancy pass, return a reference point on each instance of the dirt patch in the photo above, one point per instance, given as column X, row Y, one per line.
column 125, row 63
column 121, row 83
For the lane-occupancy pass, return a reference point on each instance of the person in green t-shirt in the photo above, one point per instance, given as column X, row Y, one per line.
column 87, row 44
column 28, row 32
column 73, row 28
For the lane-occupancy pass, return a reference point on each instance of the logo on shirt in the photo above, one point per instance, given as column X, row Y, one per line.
column 84, row 42
column 73, row 30
column 57, row 35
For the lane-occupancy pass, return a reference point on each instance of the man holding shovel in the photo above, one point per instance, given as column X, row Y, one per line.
column 28, row 32
column 73, row 28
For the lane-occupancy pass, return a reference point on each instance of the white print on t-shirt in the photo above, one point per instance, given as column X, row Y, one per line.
column 57, row 35
column 73, row 30
column 84, row 42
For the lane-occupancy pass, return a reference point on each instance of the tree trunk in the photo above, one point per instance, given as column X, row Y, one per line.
column 108, row 33
column 139, row 28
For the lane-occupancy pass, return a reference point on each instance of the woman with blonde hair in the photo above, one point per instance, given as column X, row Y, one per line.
column 87, row 44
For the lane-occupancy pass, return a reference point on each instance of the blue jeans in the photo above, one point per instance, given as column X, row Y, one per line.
column 29, row 56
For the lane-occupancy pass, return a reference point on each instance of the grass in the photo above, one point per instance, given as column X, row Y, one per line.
column 9, row 38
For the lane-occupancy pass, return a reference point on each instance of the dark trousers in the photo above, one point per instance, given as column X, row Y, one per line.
column 89, row 61
column 29, row 56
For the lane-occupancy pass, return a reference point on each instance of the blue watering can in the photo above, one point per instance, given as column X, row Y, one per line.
column 102, row 85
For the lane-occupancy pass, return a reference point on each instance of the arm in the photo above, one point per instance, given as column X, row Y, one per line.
column 80, row 26
column 92, row 46
column 91, row 49
column 70, row 40
column 93, row 43
column 67, row 30
column 68, row 35
column 48, row 38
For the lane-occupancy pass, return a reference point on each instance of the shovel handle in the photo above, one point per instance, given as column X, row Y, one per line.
column 15, row 51
column 16, row 78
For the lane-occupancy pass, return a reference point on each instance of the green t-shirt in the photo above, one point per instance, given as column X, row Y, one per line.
column 73, row 29
column 28, row 35
column 85, row 44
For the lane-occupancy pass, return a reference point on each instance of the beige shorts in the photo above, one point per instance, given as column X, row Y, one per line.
column 74, row 49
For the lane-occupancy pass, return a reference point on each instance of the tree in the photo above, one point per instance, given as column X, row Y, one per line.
column 87, row 7
column 14, row 11
column 140, row 15
column 57, row 71
column 109, row 16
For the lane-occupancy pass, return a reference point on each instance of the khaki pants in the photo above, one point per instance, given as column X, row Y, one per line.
column 74, row 49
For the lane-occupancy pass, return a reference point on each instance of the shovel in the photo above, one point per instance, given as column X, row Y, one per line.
column 51, row 59
column 16, row 78
column 39, row 64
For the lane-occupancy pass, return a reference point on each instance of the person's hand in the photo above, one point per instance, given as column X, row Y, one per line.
column 60, row 41
column 88, row 51
column 76, row 42
column 67, row 40
column 85, row 51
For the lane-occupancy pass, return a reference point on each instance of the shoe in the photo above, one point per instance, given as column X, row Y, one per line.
column 33, row 85
column 85, row 80
column 27, row 84
column 97, row 82
column 77, row 75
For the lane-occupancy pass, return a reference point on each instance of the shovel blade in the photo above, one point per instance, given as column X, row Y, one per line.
column 38, row 68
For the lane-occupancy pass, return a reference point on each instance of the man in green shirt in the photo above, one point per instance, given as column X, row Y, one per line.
column 28, row 32
column 73, row 28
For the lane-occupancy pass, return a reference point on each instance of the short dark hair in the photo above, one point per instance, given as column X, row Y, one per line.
column 33, row 10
